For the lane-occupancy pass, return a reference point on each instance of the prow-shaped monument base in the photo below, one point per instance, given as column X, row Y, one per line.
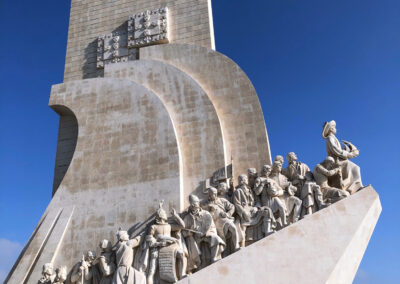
column 325, row 247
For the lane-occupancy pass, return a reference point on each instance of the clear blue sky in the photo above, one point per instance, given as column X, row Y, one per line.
column 310, row 61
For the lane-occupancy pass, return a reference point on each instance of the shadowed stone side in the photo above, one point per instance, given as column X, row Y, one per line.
column 66, row 143
column 232, row 94
column 346, row 227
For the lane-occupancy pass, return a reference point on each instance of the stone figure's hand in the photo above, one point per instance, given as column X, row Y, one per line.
column 222, row 214
column 173, row 212
column 246, row 216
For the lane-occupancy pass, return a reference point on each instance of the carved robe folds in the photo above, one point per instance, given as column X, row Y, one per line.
column 202, row 233
column 350, row 173
column 125, row 273
column 253, row 221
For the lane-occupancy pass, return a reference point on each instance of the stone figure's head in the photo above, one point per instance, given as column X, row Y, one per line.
column 47, row 269
column 276, row 167
column 243, row 180
column 266, row 170
column 329, row 162
column 105, row 245
column 279, row 158
column 309, row 176
column 122, row 236
column 61, row 274
column 194, row 202
column 222, row 188
column 328, row 128
column 212, row 193
column 252, row 173
column 90, row 256
column 161, row 215
column 291, row 157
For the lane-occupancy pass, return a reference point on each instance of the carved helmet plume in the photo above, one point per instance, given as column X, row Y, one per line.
column 161, row 214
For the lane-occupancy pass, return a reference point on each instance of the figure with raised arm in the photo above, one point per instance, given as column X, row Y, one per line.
column 124, row 254
column 349, row 177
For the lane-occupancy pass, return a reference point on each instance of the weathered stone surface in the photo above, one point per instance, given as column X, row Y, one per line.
column 233, row 95
column 325, row 247
column 126, row 160
column 198, row 128
column 189, row 22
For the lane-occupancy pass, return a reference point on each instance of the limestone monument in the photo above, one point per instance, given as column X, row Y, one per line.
column 150, row 123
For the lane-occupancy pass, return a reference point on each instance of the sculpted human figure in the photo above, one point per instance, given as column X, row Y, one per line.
column 252, row 176
column 311, row 196
column 296, row 171
column 285, row 191
column 204, row 244
column 255, row 222
column 222, row 212
column 299, row 175
column 322, row 173
column 350, row 175
column 224, row 192
column 124, row 252
column 47, row 274
column 106, row 262
column 61, row 275
column 279, row 158
column 269, row 194
column 159, row 237
column 83, row 272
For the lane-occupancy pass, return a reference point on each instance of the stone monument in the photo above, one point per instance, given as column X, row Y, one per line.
column 150, row 123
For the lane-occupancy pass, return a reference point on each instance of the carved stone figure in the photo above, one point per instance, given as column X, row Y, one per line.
column 47, row 274
column 279, row 158
column 125, row 273
column 224, row 191
column 269, row 194
column 350, row 175
column 252, row 176
column 164, row 248
column 296, row 171
column 311, row 196
column 222, row 212
column 255, row 222
column 204, row 244
column 106, row 262
column 83, row 272
column 61, row 275
column 285, row 190
column 308, row 191
column 322, row 173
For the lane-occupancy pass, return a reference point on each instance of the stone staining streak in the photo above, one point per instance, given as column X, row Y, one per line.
column 112, row 48
column 148, row 27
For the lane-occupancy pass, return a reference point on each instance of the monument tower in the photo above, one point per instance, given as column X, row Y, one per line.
column 149, row 111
